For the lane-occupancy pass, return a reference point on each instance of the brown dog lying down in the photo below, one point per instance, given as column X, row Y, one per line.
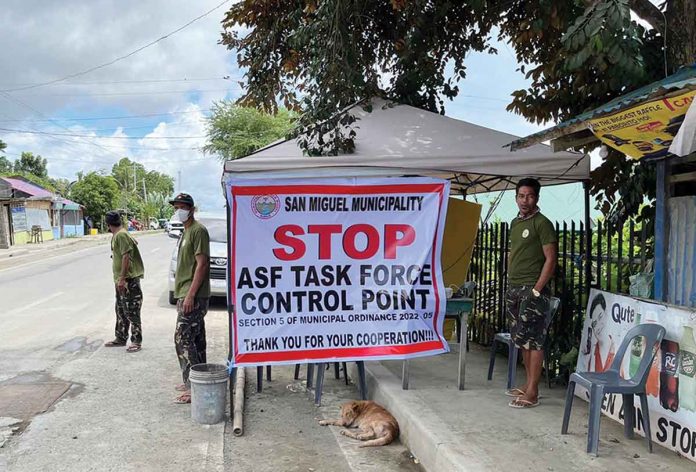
column 376, row 426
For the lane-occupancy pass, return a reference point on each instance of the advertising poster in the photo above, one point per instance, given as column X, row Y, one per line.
column 646, row 130
column 336, row 269
column 671, row 385
column 19, row 219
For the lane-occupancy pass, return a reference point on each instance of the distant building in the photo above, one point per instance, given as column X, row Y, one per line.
column 25, row 205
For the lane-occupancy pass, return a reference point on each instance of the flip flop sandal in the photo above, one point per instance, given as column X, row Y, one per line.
column 134, row 348
column 183, row 399
column 516, row 393
column 115, row 343
column 181, row 388
column 519, row 403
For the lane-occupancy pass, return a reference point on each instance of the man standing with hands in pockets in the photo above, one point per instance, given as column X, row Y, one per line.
column 192, row 291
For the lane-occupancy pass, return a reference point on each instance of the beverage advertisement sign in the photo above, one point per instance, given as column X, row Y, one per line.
column 671, row 384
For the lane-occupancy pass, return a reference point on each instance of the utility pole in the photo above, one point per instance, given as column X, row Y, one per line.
column 144, row 190
column 135, row 182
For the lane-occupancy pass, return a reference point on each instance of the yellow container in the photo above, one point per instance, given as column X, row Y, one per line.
column 92, row 231
column 448, row 329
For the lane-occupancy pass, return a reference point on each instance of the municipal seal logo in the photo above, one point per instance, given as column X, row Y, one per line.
column 265, row 206
column 525, row 233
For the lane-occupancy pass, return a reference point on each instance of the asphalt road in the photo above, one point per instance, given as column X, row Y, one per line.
column 48, row 302
column 117, row 412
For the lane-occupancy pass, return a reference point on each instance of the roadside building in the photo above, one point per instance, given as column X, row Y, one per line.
column 30, row 212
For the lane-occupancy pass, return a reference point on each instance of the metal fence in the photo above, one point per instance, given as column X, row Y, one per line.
column 614, row 255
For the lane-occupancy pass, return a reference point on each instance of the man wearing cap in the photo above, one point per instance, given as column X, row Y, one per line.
column 192, row 291
column 128, row 269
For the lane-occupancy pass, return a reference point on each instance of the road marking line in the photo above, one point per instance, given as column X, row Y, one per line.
column 34, row 304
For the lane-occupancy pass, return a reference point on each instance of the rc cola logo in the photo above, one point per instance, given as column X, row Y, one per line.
column 265, row 206
column 670, row 363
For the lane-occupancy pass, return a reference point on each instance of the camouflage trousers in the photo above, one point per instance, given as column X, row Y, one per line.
column 128, row 307
column 189, row 337
column 527, row 316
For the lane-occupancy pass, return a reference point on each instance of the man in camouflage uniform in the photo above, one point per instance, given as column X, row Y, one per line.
column 533, row 254
column 128, row 270
column 192, row 291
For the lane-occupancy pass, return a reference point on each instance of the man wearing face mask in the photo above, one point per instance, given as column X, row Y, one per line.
column 128, row 270
column 192, row 291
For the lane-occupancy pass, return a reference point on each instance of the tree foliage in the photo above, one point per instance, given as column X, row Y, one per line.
column 5, row 165
column 31, row 164
column 133, row 178
column 235, row 131
column 319, row 57
column 97, row 192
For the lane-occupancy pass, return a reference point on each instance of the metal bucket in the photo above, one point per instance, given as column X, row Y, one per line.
column 208, row 393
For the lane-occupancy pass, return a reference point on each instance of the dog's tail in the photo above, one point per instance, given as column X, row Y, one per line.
column 381, row 441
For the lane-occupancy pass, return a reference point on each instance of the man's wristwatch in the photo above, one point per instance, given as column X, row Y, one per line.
column 536, row 293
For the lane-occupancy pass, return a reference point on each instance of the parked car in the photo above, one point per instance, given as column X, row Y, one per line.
column 217, row 230
column 174, row 227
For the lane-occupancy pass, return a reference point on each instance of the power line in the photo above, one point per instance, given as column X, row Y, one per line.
column 114, row 94
column 123, row 117
column 9, row 97
column 106, row 64
column 144, row 81
column 237, row 136
column 76, row 135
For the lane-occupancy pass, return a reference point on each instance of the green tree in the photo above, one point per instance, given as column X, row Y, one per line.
column 235, row 131
column 160, row 205
column 5, row 165
column 321, row 56
column 61, row 186
column 135, row 180
column 98, row 193
column 31, row 164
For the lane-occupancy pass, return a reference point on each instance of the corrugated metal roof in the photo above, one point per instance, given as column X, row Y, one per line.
column 35, row 191
column 684, row 78
column 26, row 187
column 681, row 260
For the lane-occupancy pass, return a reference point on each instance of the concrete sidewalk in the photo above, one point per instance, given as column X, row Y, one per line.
column 25, row 253
column 54, row 244
column 118, row 414
column 475, row 430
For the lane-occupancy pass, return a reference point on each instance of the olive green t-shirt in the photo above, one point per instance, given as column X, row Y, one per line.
column 122, row 243
column 193, row 241
column 527, row 237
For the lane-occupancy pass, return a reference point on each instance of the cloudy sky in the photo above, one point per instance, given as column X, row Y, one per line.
column 151, row 106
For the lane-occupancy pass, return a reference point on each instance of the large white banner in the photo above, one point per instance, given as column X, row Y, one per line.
column 671, row 385
column 336, row 269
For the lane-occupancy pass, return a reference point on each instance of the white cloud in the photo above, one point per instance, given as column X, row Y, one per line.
column 54, row 39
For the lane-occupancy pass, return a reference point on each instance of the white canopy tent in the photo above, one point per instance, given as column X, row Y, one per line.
column 400, row 140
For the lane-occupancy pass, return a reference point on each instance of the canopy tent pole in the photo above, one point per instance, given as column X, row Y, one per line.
column 232, row 372
column 588, row 240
